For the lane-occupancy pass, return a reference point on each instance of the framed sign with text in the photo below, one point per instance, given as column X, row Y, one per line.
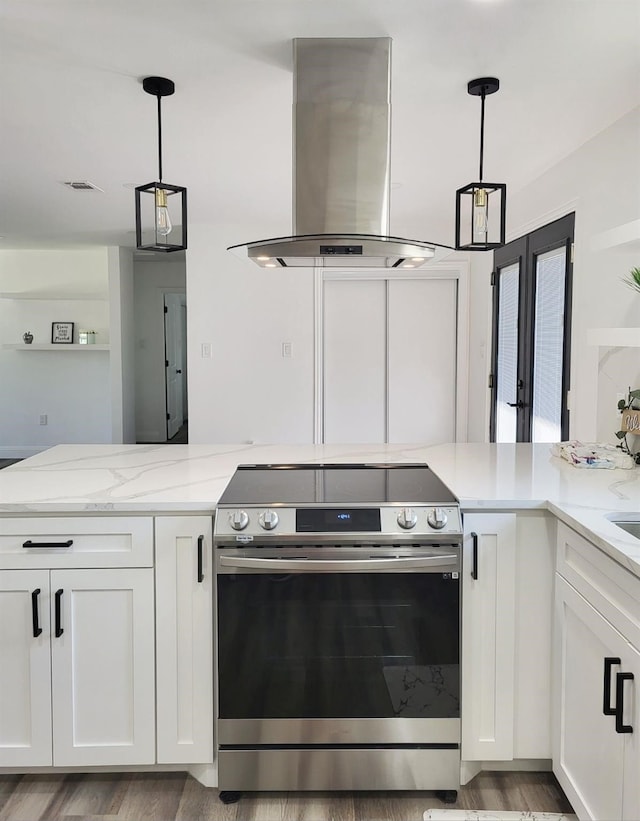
column 62, row 333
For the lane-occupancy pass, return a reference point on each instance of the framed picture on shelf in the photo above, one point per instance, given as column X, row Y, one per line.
column 62, row 333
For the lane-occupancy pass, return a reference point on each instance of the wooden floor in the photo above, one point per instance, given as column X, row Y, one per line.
column 173, row 796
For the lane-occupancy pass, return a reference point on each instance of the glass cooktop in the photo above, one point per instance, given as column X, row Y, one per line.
column 300, row 484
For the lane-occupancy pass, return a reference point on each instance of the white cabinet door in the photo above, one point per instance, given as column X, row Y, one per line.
column 596, row 766
column 631, row 716
column 184, row 636
column 488, row 615
column 25, row 669
column 102, row 651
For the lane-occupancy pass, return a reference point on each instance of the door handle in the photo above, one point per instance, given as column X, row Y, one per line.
column 58, row 618
column 518, row 404
column 620, row 680
column 200, row 571
column 34, row 613
column 474, row 568
column 336, row 565
column 178, row 370
column 607, row 709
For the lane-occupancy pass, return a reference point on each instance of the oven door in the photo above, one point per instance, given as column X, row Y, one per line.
column 349, row 645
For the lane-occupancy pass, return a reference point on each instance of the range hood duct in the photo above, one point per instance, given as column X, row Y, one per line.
column 341, row 150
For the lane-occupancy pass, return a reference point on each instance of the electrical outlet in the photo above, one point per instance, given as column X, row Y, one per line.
column 286, row 350
column 206, row 350
column 44, row 419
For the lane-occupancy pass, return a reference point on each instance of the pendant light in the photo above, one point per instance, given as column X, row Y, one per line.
column 161, row 217
column 481, row 206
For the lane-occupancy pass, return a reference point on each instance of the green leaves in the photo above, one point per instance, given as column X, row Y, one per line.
column 633, row 279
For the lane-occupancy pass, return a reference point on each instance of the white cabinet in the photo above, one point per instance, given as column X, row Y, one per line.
column 102, row 667
column 596, row 673
column 184, row 636
column 77, row 657
column 488, row 585
column 507, row 603
column 25, row 668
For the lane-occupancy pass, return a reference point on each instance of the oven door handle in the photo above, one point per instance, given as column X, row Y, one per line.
column 333, row 565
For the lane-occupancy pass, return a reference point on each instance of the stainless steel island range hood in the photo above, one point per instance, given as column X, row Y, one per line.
column 341, row 150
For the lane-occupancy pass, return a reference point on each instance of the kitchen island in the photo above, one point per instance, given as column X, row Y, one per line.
column 188, row 479
column 557, row 580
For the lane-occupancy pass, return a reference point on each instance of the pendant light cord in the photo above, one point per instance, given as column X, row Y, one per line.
column 482, row 132
column 160, row 139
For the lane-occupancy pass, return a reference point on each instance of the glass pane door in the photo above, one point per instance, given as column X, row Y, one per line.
column 548, row 348
column 531, row 336
column 507, row 358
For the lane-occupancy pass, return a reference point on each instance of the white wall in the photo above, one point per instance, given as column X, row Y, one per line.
column 153, row 277
column 71, row 388
column 601, row 183
column 247, row 391
column 122, row 358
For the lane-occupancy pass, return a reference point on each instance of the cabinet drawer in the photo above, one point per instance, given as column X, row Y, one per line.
column 76, row 542
column 606, row 585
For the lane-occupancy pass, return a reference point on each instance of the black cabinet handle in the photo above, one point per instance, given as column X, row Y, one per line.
column 29, row 543
column 200, row 573
column 34, row 613
column 607, row 709
column 620, row 680
column 58, row 597
column 474, row 569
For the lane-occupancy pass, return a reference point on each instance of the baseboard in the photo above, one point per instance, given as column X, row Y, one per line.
column 469, row 769
column 150, row 437
column 21, row 451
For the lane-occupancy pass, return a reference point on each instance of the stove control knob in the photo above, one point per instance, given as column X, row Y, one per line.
column 238, row 519
column 407, row 518
column 268, row 519
column 437, row 518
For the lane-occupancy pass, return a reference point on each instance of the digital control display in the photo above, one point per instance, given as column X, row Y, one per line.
column 338, row 520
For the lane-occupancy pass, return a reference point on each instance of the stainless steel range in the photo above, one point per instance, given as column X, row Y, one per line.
column 338, row 629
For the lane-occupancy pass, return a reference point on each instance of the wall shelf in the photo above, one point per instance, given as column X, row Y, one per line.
column 614, row 337
column 51, row 347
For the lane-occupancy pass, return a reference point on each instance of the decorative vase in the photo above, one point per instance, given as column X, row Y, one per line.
column 28, row 337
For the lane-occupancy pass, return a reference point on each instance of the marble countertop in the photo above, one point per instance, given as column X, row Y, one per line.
column 190, row 479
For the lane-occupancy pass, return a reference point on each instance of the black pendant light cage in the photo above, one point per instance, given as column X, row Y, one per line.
column 161, row 208
column 481, row 207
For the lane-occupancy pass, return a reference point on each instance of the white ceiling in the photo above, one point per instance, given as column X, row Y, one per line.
column 73, row 108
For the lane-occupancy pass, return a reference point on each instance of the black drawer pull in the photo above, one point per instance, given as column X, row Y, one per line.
column 29, row 543
column 620, row 680
column 58, row 597
column 474, row 569
column 200, row 571
column 607, row 709
column 34, row 613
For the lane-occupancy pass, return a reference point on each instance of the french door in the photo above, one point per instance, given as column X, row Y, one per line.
column 531, row 335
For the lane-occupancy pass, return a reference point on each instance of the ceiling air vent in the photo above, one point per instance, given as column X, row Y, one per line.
column 82, row 186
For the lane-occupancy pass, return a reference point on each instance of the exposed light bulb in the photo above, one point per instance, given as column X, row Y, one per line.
column 163, row 221
column 480, row 218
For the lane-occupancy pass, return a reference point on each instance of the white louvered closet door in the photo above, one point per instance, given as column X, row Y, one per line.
column 389, row 361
